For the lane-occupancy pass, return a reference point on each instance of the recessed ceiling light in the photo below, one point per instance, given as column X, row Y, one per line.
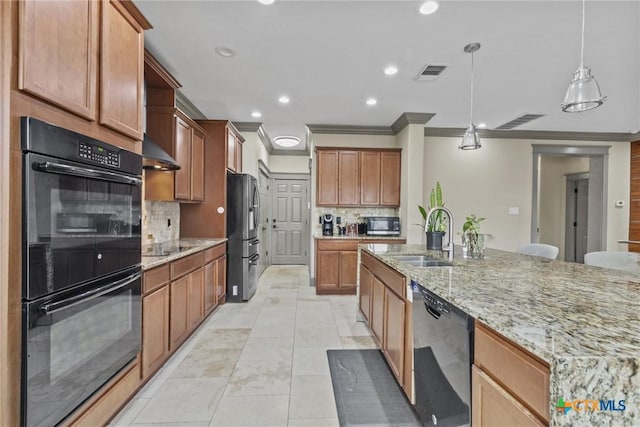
column 284, row 99
column 390, row 70
column 225, row 52
column 428, row 7
column 266, row 1
column 287, row 141
column 372, row 101
column 482, row 125
column 256, row 114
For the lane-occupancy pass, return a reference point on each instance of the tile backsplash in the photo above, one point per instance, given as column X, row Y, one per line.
column 156, row 217
column 350, row 215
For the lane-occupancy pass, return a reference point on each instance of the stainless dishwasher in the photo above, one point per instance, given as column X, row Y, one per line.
column 442, row 357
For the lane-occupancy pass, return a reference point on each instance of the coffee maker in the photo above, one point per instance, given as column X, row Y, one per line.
column 327, row 224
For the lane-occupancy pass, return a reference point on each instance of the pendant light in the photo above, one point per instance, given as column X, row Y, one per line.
column 583, row 93
column 471, row 140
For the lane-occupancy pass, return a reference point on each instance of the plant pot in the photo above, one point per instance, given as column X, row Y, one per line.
column 434, row 240
column 473, row 245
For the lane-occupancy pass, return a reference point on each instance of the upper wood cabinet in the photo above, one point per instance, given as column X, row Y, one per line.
column 363, row 177
column 121, row 70
column 234, row 149
column 58, row 54
column 68, row 50
column 183, row 139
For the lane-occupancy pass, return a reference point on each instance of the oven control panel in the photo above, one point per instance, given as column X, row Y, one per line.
column 98, row 154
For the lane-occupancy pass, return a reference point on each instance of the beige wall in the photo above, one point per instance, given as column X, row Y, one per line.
column 411, row 140
column 553, row 193
column 289, row 164
column 253, row 150
column 498, row 176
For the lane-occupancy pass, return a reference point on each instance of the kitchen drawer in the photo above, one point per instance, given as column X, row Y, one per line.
column 391, row 278
column 214, row 253
column 186, row 264
column 516, row 370
column 338, row 245
column 155, row 278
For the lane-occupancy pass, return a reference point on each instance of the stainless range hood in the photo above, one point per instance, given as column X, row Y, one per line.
column 155, row 158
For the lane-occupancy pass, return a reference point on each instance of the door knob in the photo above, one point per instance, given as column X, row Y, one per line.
column 275, row 226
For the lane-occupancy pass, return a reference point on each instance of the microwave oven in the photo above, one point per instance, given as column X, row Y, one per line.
column 383, row 225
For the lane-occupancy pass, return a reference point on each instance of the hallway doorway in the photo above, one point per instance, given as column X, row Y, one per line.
column 577, row 217
column 290, row 222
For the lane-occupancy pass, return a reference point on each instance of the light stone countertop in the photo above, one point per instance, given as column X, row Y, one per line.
column 179, row 248
column 583, row 321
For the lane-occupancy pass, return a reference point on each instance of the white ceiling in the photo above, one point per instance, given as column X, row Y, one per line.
column 329, row 56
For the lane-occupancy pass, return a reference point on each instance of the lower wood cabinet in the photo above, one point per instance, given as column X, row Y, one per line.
column 493, row 406
column 337, row 264
column 179, row 312
column 210, row 286
column 155, row 330
column 222, row 279
column 195, row 300
column 382, row 302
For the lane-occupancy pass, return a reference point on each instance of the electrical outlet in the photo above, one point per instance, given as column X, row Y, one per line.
column 150, row 236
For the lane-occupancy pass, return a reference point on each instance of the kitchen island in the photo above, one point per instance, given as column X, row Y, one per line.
column 582, row 321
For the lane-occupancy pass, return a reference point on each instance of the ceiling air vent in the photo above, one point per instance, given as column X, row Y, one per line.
column 519, row 121
column 430, row 72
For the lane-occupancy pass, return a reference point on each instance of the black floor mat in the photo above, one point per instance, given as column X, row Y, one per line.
column 366, row 391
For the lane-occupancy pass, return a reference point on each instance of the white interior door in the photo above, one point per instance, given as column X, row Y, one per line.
column 290, row 222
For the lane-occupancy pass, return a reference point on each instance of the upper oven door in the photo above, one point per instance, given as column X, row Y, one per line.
column 80, row 222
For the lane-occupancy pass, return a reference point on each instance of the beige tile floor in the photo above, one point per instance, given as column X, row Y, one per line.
column 262, row 363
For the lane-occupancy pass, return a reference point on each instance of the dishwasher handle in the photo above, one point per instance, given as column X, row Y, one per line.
column 432, row 312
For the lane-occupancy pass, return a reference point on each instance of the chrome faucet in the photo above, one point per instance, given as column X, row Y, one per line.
column 449, row 248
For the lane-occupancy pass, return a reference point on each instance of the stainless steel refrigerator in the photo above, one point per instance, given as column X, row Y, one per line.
column 242, row 230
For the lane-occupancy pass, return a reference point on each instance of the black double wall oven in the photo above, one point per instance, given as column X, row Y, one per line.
column 81, row 301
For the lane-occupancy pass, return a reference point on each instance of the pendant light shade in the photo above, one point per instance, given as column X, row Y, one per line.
column 584, row 92
column 471, row 139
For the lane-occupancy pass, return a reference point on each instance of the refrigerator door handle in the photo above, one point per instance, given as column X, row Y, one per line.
column 254, row 242
column 254, row 259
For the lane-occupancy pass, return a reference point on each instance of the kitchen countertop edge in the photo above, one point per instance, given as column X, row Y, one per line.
column 196, row 245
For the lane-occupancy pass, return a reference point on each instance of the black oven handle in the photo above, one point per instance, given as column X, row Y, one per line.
column 88, row 296
column 62, row 169
column 254, row 259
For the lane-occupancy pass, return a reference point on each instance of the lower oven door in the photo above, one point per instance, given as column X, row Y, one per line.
column 75, row 342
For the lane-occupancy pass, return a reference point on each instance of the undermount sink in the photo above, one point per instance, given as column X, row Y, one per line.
column 421, row 261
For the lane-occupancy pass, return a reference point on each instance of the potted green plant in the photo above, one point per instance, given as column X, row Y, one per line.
column 472, row 240
column 437, row 224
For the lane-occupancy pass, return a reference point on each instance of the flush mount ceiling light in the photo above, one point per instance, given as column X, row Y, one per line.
column 225, row 52
column 390, row 70
column 287, row 141
column 372, row 101
column 428, row 7
column 583, row 93
column 256, row 114
column 471, row 140
column 284, row 99
column 266, row 1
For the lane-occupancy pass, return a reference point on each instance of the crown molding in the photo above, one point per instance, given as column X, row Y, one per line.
column 187, row 107
column 279, row 152
column 533, row 134
column 248, row 126
column 583, row 150
column 407, row 119
column 350, row 129
column 266, row 139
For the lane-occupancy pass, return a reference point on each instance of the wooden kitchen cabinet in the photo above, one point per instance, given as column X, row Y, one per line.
column 497, row 360
column 493, row 406
column 196, row 294
column 182, row 139
column 394, row 338
column 121, row 70
column 222, row 279
column 155, row 332
column 390, row 165
column 336, row 266
column 210, row 300
column 389, row 314
column 363, row 177
column 178, row 329
column 58, row 53
column 377, row 310
column 70, row 50
column 234, row 150
column 364, row 296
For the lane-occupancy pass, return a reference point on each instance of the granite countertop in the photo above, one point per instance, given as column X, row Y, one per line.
column 173, row 250
column 357, row 237
column 583, row 321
